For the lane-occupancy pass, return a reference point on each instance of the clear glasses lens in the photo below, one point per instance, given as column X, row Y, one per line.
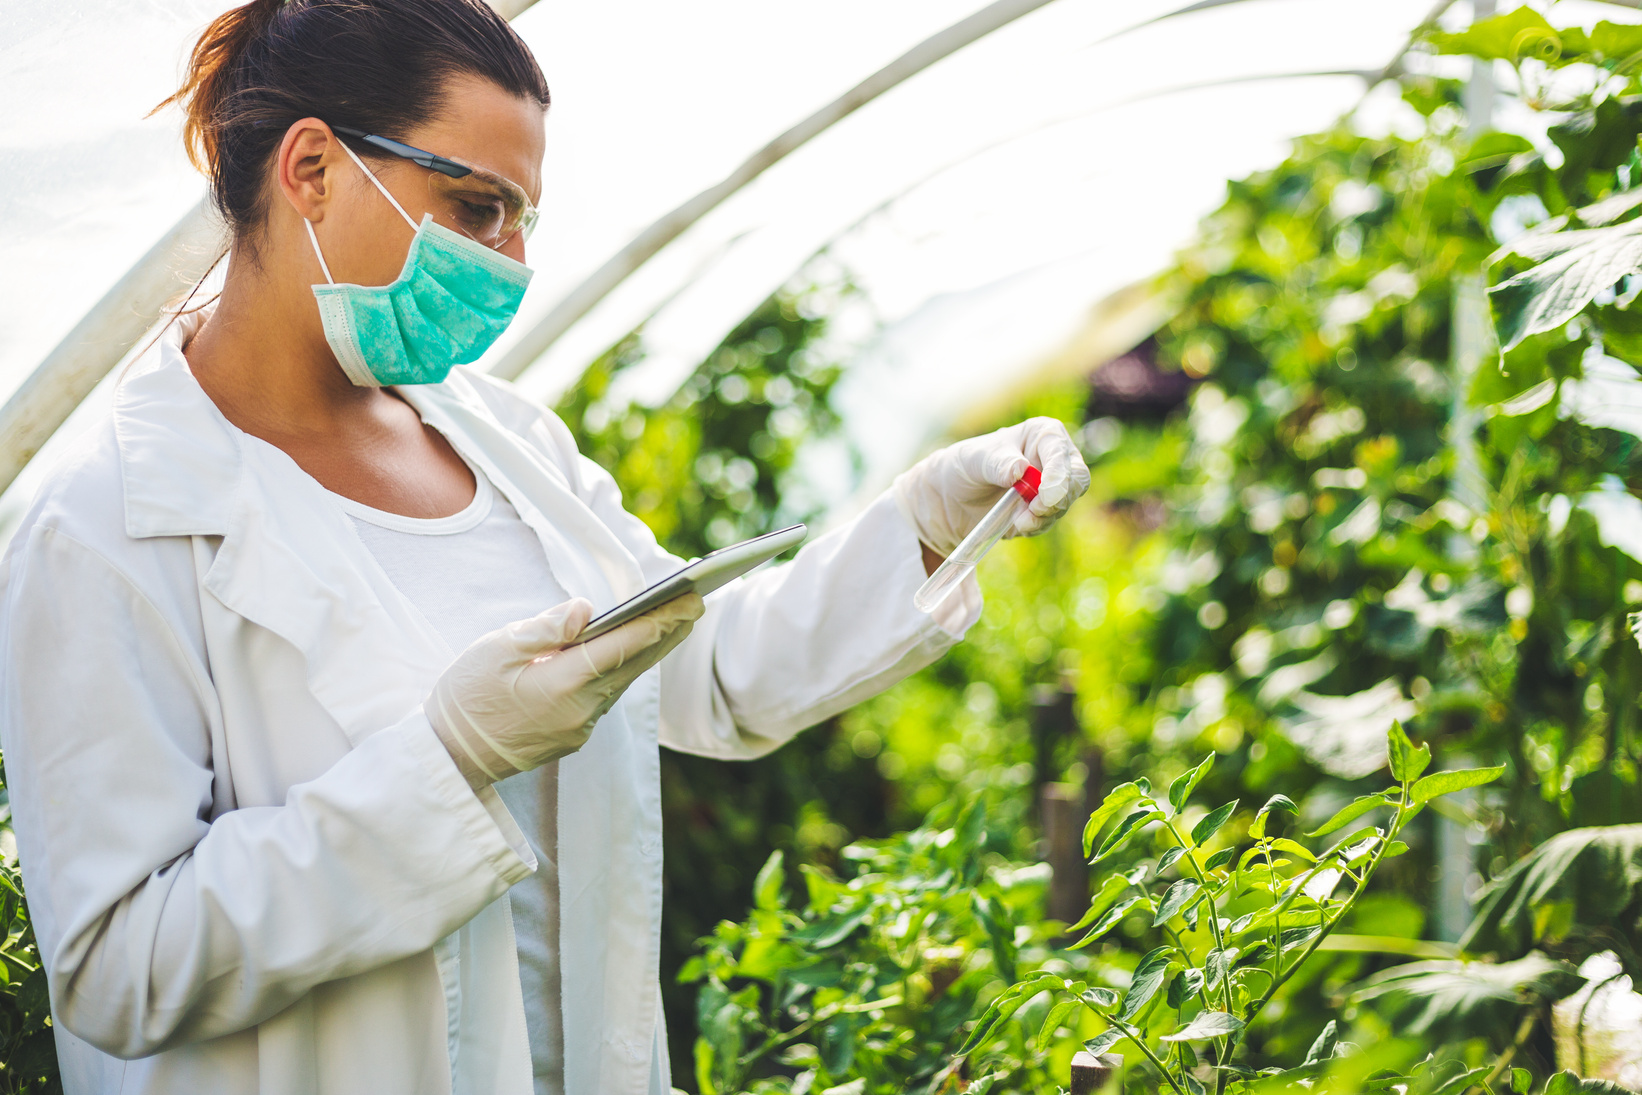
column 486, row 206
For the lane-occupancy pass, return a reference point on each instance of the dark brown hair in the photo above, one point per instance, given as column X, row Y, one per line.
column 382, row 66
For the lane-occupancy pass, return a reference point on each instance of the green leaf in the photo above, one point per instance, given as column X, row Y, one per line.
column 1122, row 795
column 1148, row 978
column 1181, row 788
column 1517, row 34
column 1522, row 1081
column 1104, row 1041
column 1454, row 1001
column 1210, row 825
column 1175, row 899
column 1111, row 888
column 1114, row 916
column 1257, row 831
column 767, row 884
column 1098, row 997
column 1446, row 783
column 1284, row 844
column 1407, row 762
column 1592, row 874
column 1351, row 813
column 1572, row 267
column 1323, row 1048
column 1051, row 1022
column 1011, row 1000
column 1170, row 858
column 1207, row 1024
column 1219, row 859
column 1567, row 1083
column 1125, row 830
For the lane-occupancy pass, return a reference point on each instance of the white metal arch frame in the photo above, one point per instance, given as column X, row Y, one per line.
column 185, row 254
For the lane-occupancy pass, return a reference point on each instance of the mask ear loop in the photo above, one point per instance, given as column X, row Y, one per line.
column 378, row 184
column 318, row 254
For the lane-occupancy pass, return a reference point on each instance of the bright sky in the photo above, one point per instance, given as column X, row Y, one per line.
column 1026, row 177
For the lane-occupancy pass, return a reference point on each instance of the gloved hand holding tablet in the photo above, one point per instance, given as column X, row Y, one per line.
column 531, row 692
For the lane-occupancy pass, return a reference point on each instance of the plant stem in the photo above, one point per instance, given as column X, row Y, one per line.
column 1135, row 1037
column 1524, row 1028
column 1214, row 911
column 1328, row 925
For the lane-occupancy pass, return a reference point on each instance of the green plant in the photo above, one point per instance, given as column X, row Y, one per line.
column 865, row 986
column 28, row 1053
column 1235, row 925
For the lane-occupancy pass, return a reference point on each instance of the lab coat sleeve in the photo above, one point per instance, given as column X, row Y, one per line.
column 787, row 646
column 158, row 924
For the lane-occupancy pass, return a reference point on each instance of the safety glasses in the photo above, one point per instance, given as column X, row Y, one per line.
column 483, row 204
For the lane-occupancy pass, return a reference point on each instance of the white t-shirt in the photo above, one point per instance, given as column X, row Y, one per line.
column 469, row 574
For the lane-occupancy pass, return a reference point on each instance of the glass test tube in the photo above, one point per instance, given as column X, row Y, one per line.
column 998, row 520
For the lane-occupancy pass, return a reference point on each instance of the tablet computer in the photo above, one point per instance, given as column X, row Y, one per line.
column 703, row 576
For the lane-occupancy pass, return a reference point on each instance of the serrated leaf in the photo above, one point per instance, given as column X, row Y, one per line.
column 1203, row 830
column 1446, row 783
column 1175, row 899
column 1148, row 978
column 1206, row 1025
column 1181, row 788
column 1357, row 809
column 1121, row 796
column 1257, row 831
column 1098, row 997
column 1052, row 1021
column 1576, row 265
column 1104, row 1041
column 1407, row 762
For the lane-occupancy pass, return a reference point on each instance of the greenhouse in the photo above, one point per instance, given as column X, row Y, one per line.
column 1289, row 741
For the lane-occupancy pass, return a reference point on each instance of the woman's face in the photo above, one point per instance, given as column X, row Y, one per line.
column 365, row 240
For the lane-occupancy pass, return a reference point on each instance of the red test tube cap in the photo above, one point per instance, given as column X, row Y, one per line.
column 1027, row 484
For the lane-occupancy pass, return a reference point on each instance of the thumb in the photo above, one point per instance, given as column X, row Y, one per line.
column 555, row 628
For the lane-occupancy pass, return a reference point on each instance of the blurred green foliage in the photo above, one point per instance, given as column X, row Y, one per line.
column 28, row 1051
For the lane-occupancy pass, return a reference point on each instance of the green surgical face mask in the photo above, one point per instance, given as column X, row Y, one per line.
column 451, row 301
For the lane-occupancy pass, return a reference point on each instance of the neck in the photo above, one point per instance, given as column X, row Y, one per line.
column 263, row 359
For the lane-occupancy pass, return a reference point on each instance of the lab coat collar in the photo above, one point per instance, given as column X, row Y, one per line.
column 180, row 459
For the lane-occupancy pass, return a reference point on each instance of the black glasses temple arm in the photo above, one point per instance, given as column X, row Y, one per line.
column 405, row 151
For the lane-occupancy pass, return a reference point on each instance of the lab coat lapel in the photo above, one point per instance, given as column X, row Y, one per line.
column 586, row 557
column 288, row 559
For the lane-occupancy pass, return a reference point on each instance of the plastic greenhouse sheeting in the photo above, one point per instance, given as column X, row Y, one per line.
column 983, row 205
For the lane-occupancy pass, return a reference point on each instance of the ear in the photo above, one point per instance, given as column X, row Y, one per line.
column 303, row 167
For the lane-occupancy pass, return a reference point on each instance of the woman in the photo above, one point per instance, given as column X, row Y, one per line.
column 284, row 718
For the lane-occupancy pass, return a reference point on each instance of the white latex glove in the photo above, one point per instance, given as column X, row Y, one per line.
column 521, row 696
column 946, row 493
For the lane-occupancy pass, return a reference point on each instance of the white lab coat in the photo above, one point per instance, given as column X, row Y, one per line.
column 251, row 865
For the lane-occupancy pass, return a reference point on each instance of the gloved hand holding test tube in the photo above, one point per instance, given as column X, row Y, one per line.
column 969, row 552
column 962, row 499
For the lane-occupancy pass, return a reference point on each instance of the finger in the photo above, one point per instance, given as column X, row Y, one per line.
column 1065, row 475
column 611, row 650
column 1005, row 457
column 550, row 630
